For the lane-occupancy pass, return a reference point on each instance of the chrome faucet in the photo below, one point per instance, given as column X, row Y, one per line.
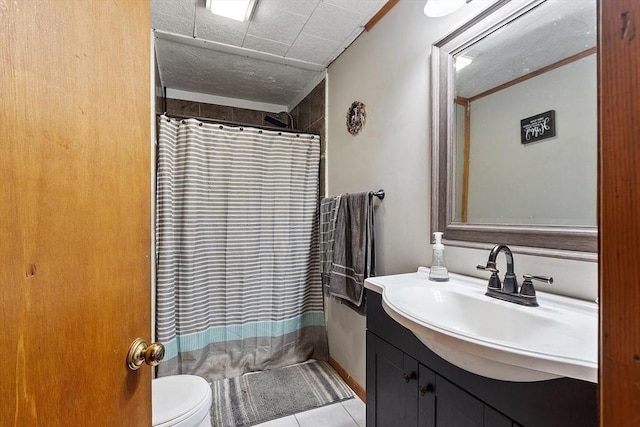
column 508, row 290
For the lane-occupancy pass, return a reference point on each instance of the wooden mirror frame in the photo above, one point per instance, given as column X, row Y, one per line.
column 573, row 242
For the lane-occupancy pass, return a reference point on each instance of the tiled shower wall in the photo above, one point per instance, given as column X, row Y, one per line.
column 308, row 116
column 218, row 112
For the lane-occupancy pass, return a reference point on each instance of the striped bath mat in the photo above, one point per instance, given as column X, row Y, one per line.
column 262, row 396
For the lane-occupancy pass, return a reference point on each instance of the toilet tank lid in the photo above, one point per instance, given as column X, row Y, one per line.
column 178, row 397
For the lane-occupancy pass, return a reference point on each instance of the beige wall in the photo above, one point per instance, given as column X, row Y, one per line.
column 388, row 69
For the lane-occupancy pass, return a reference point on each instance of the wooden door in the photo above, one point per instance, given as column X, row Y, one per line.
column 74, row 211
column 619, row 206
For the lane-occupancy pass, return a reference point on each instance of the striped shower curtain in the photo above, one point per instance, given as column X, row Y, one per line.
column 238, row 276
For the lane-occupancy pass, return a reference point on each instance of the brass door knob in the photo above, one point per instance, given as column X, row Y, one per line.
column 154, row 354
column 141, row 352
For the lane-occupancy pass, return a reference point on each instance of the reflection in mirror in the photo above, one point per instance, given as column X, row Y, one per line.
column 515, row 126
column 463, row 142
column 543, row 61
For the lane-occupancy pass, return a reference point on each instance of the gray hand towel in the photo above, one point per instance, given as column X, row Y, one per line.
column 353, row 251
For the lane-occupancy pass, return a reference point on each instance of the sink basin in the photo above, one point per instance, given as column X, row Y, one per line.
column 490, row 337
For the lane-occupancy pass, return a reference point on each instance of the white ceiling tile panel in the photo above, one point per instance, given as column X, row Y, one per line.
column 312, row 49
column 265, row 45
column 314, row 31
column 201, row 70
column 218, row 28
column 273, row 24
column 364, row 7
column 344, row 45
column 332, row 23
column 298, row 7
column 175, row 16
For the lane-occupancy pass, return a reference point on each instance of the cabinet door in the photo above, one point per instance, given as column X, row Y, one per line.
column 395, row 382
column 493, row 418
column 455, row 407
column 426, row 397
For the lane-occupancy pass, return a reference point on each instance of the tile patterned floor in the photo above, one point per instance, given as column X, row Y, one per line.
column 350, row 413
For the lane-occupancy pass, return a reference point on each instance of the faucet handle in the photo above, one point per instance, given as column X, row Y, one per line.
column 528, row 291
column 491, row 266
column 543, row 279
column 494, row 280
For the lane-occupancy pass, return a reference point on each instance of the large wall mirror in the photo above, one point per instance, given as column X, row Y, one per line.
column 515, row 128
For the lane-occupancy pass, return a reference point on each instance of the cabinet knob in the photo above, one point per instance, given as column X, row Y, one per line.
column 408, row 377
column 424, row 389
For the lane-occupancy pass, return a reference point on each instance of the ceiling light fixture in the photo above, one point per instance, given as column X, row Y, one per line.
column 438, row 8
column 240, row 10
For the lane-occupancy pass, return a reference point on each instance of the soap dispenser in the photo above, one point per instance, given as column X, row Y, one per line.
column 438, row 272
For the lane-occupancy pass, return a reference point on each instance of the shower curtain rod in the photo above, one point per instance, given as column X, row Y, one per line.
column 230, row 123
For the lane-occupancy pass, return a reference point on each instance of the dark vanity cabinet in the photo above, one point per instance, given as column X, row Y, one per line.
column 410, row 386
column 407, row 393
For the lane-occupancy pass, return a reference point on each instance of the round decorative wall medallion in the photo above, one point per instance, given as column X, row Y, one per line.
column 356, row 117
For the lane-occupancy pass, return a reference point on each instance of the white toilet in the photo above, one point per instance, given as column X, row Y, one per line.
column 181, row 401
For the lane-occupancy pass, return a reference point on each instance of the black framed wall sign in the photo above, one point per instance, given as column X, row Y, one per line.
column 538, row 127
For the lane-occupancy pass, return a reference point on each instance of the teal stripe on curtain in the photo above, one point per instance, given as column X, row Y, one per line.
column 200, row 340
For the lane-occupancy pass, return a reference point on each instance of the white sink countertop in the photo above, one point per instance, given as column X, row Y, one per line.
column 491, row 337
